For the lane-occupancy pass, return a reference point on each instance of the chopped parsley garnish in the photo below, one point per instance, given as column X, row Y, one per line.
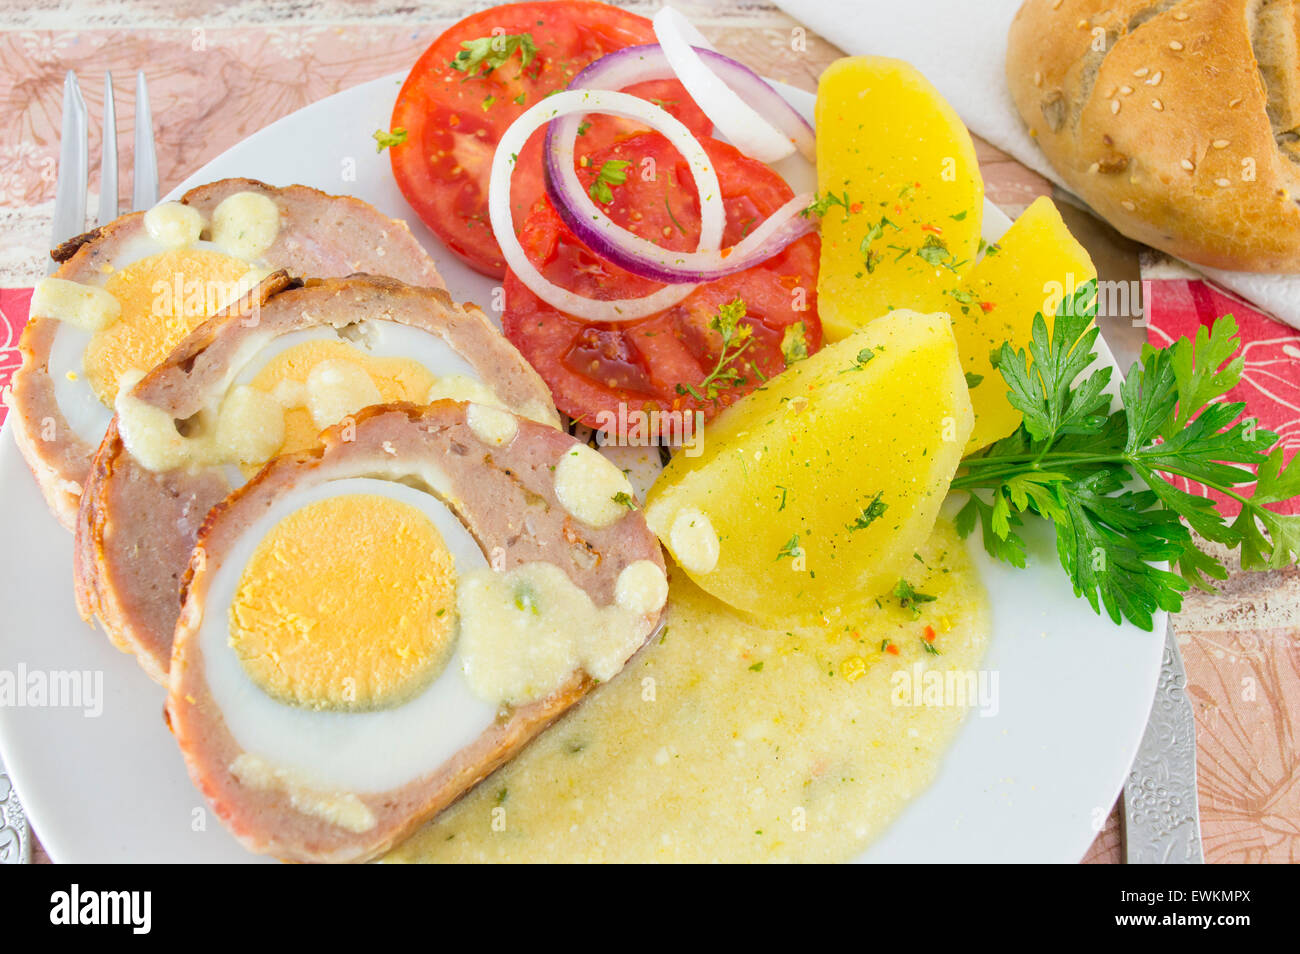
column 1074, row 461
column 935, row 252
column 794, row 343
column 736, row 339
column 860, row 361
column 821, row 205
column 972, row 379
column 870, row 513
column 386, row 139
column 876, row 232
column 757, row 667
column 582, row 129
column 909, row 598
column 790, row 549
column 480, row 57
column 612, row 172
column 669, row 209
column 870, row 256
column 626, row 499
column 526, row 600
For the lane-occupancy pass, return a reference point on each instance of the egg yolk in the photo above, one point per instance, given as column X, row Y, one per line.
column 286, row 375
column 163, row 297
column 347, row 604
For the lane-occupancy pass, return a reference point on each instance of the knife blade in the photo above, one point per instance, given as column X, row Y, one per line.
column 1162, row 823
column 15, row 833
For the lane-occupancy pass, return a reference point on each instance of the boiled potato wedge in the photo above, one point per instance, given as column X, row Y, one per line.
column 1028, row 271
column 813, row 493
column 900, row 191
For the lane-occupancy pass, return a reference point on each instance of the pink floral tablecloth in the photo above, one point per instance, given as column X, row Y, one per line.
column 212, row 87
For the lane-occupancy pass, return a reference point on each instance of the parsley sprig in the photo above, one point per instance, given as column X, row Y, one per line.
column 1104, row 477
column 483, row 55
column 386, row 139
column 736, row 339
column 909, row 598
column 870, row 513
column 820, row 205
column 794, row 343
column 612, row 172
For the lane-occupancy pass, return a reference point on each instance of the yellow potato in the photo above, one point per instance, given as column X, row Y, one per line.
column 1025, row 273
column 813, row 493
column 903, row 197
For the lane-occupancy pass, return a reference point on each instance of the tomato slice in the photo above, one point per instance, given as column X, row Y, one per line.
column 597, row 367
column 454, row 118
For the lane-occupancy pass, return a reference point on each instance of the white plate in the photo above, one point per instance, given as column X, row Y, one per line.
column 1032, row 783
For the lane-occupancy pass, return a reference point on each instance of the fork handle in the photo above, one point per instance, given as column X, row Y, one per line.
column 15, row 833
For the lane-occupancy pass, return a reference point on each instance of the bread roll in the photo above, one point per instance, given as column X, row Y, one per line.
column 1177, row 120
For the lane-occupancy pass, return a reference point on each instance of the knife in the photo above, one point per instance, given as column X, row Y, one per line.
column 1161, row 815
column 15, row 833
column 1162, row 823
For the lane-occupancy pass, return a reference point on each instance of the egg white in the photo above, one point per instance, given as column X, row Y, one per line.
column 375, row 337
column 358, row 752
column 81, row 408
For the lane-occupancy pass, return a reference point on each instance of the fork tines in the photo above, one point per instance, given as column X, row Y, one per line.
column 70, row 193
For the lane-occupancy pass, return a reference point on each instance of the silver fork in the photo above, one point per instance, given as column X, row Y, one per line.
column 70, row 221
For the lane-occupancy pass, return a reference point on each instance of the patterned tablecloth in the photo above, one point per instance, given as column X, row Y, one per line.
column 218, row 73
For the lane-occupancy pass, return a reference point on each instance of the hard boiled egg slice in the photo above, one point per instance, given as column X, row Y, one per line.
column 261, row 381
column 372, row 627
column 329, row 636
column 125, row 294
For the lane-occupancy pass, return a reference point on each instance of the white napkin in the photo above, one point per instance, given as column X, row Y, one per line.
column 961, row 47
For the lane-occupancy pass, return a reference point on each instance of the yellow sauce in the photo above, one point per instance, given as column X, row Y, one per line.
column 525, row 631
column 247, row 427
column 174, row 224
column 246, row 224
column 591, row 487
column 491, row 425
column 724, row 741
column 325, row 381
column 83, row 306
column 338, row 808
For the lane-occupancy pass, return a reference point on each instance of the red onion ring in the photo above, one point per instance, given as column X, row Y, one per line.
column 746, row 111
column 629, row 251
column 581, row 102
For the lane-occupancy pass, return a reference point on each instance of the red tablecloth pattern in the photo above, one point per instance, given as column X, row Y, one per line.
column 212, row 87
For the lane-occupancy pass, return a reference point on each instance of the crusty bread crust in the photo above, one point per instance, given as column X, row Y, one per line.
column 1177, row 120
column 507, row 499
column 322, row 236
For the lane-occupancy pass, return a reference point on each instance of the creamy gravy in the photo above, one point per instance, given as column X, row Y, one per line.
column 723, row 741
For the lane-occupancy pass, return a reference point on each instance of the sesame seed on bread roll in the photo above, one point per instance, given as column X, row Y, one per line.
column 1176, row 120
